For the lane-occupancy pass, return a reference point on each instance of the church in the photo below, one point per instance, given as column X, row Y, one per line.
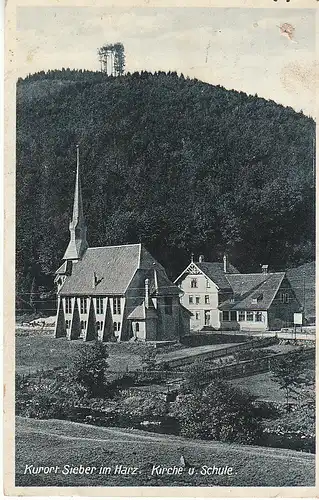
column 114, row 292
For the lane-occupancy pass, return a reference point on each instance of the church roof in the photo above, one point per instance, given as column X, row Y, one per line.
column 112, row 268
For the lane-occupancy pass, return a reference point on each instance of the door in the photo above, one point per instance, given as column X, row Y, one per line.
column 207, row 318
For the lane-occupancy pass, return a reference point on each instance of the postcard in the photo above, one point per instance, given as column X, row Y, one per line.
column 160, row 316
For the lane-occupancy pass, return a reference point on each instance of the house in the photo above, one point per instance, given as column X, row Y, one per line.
column 221, row 298
column 114, row 292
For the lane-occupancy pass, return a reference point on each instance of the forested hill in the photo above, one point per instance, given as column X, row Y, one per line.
column 180, row 165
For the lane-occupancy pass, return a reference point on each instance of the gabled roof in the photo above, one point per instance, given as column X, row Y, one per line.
column 247, row 287
column 65, row 268
column 114, row 267
column 215, row 272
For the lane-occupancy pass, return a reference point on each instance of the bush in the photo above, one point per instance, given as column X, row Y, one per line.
column 89, row 369
column 45, row 398
column 196, row 376
column 220, row 412
column 146, row 406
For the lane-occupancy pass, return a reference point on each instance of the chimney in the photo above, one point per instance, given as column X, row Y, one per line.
column 225, row 263
column 264, row 269
column 201, row 258
column 147, row 294
column 192, row 257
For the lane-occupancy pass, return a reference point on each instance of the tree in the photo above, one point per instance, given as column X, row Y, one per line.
column 112, row 59
column 220, row 412
column 89, row 369
column 119, row 58
column 288, row 373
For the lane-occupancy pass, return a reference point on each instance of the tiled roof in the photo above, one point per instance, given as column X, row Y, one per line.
column 65, row 268
column 215, row 271
column 113, row 266
column 247, row 287
column 141, row 312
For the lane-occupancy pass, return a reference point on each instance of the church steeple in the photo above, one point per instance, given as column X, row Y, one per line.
column 77, row 244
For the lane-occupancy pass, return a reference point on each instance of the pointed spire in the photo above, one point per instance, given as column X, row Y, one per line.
column 77, row 244
column 78, row 216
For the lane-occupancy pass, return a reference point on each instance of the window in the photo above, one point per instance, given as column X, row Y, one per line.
column 83, row 325
column 225, row 315
column 116, row 326
column 241, row 316
column 207, row 284
column 206, row 299
column 137, row 327
column 258, row 316
column 190, row 299
column 99, row 305
column 68, row 324
column 68, row 305
column 197, row 300
column 116, row 305
column 285, row 298
column 83, row 305
column 194, row 283
column 197, row 316
column 99, row 325
column 233, row 315
column 168, row 305
column 250, row 316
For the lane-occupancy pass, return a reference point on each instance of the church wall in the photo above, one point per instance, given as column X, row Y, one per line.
column 168, row 324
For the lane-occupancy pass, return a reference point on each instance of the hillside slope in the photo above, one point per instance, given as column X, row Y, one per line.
column 303, row 281
column 178, row 164
column 56, row 443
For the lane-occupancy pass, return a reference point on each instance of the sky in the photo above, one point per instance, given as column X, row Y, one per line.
column 240, row 49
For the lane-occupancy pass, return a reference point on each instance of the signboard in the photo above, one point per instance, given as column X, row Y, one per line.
column 298, row 319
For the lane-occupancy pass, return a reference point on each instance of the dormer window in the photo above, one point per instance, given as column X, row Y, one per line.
column 256, row 298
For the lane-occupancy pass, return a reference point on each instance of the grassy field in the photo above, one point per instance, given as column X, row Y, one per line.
column 44, row 351
column 261, row 386
column 57, row 443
